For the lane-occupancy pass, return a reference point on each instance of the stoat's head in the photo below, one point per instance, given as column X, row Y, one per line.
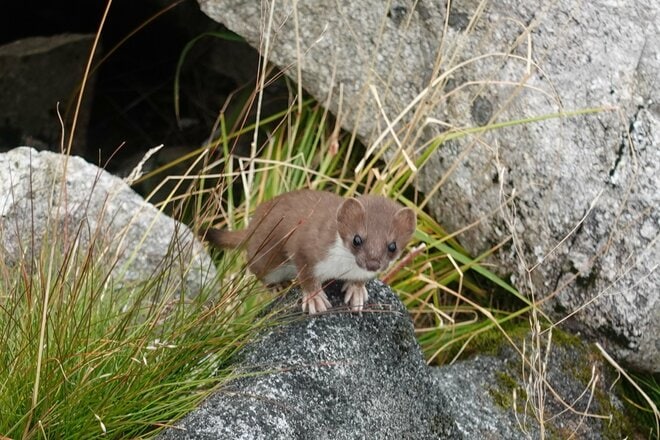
column 375, row 229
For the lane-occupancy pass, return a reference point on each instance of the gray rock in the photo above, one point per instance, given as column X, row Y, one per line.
column 37, row 74
column 342, row 45
column 468, row 387
column 585, row 213
column 576, row 391
column 336, row 376
column 70, row 203
column 343, row 376
column 604, row 166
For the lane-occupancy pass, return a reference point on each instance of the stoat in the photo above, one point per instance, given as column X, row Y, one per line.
column 316, row 236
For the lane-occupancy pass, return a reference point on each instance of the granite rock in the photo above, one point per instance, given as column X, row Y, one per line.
column 63, row 201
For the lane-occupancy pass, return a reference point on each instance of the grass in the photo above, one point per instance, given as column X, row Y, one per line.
column 117, row 362
column 81, row 358
column 648, row 388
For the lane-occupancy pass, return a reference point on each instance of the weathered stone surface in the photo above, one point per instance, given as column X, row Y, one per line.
column 337, row 376
column 37, row 74
column 510, row 60
column 343, row 376
column 468, row 386
column 44, row 195
column 584, row 216
column 576, row 388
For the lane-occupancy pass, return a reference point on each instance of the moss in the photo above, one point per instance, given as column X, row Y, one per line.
column 565, row 339
column 620, row 425
column 584, row 356
column 624, row 422
column 552, row 432
column 491, row 342
column 581, row 369
column 502, row 394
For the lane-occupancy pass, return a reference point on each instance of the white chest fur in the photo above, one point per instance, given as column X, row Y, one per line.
column 339, row 264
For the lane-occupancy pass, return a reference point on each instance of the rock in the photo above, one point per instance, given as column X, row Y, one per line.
column 344, row 376
column 469, row 387
column 336, row 376
column 479, row 393
column 30, row 96
column 584, row 210
column 345, row 36
column 69, row 202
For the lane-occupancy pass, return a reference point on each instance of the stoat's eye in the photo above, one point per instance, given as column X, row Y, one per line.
column 392, row 247
column 357, row 240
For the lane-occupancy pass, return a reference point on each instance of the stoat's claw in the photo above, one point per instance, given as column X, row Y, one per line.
column 355, row 294
column 315, row 302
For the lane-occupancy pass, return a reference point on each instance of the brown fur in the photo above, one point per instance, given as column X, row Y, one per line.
column 301, row 227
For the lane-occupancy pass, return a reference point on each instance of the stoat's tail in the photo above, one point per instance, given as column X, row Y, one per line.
column 223, row 238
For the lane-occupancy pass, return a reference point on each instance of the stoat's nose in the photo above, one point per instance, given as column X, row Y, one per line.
column 372, row 265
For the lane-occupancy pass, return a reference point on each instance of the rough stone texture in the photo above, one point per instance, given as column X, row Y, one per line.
column 37, row 203
column 603, row 166
column 343, row 376
column 467, row 386
column 337, row 376
column 35, row 75
column 479, row 395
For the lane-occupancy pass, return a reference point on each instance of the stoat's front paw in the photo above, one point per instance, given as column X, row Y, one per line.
column 355, row 294
column 315, row 302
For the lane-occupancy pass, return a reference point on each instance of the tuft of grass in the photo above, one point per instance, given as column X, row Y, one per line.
column 83, row 357
column 637, row 399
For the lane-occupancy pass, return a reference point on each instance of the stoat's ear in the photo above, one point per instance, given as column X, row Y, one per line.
column 405, row 223
column 350, row 216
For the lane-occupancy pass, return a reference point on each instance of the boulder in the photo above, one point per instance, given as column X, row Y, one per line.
column 66, row 202
column 336, row 376
column 39, row 76
column 573, row 191
column 347, row 376
column 573, row 381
